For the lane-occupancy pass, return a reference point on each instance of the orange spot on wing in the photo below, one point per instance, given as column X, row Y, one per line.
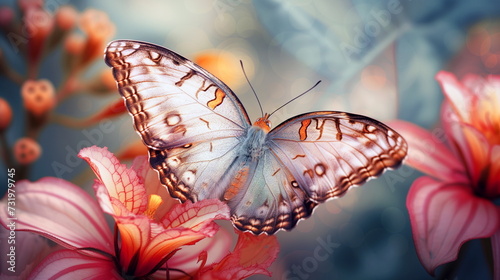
column 237, row 183
column 219, row 98
column 309, row 172
column 179, row 129
column 297, row 156
column 303, row 129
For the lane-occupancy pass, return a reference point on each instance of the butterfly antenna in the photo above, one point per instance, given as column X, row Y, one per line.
column 254, row 93
column 297, row 97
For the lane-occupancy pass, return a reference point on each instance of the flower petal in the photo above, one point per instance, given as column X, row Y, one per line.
column 69, row 264
column 61, row 211
column 252, row 255
column 493, row 183
column 196, row 216
column 163, row 244
column 135, row 233
column 473, row 148
column 121, row 183
column 459, row 96
column 148, row 243
column 428, row 153
column 216, row 248
column 445, row 215
column 30, row 249
column 153, row 185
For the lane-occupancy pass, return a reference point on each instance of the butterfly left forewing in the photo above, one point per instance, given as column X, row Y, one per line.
column 328, row 152
column 190, row 120
column 173, row 101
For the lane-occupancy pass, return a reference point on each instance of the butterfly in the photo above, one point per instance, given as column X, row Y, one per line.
column 203, row 145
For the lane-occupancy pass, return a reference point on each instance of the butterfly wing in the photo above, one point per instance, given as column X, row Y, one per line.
column 190, row 120
column 311, row 158
column 173, row 101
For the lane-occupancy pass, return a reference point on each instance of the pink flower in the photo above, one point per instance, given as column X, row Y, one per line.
column 150, row 227
column 454, row 203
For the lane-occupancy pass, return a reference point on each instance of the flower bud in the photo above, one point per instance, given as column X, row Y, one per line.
column 26, row 150
column 38, row 96
column 98, row 28
column 66, row 18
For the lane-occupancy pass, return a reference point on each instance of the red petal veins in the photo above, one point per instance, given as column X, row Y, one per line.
column 121, row 182
column 196, row 216
column 69, row 264
column 251, row 255
column 61, row 211
column 445, row 215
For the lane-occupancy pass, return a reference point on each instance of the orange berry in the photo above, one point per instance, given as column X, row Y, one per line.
column 66, row 17
column 38, row 96
column 26, row 150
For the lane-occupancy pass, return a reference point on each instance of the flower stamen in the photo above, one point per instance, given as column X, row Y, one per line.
column 153, row 203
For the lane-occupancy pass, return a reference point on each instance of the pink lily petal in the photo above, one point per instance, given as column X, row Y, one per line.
column 184, row 224
column 474, row 83
column 495, row 245
column 252, row 255
column 32, row 247
column 134, row 234
column 473, row 147
column 445, row 215
column 459, row 96
column 196, row 216
column 216, row 247
column 149, row 251
column 69, row 264
column 152, row 181
column 61, row 211
column 428, row 153
column 165, row 243
column 121, row 183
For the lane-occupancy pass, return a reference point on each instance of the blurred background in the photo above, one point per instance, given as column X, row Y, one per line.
column 376, row 58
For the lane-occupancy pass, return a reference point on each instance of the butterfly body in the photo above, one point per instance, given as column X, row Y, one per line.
column 203, row 145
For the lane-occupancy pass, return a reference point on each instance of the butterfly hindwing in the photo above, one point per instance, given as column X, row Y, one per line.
column 272, row 200
column 328, row 152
